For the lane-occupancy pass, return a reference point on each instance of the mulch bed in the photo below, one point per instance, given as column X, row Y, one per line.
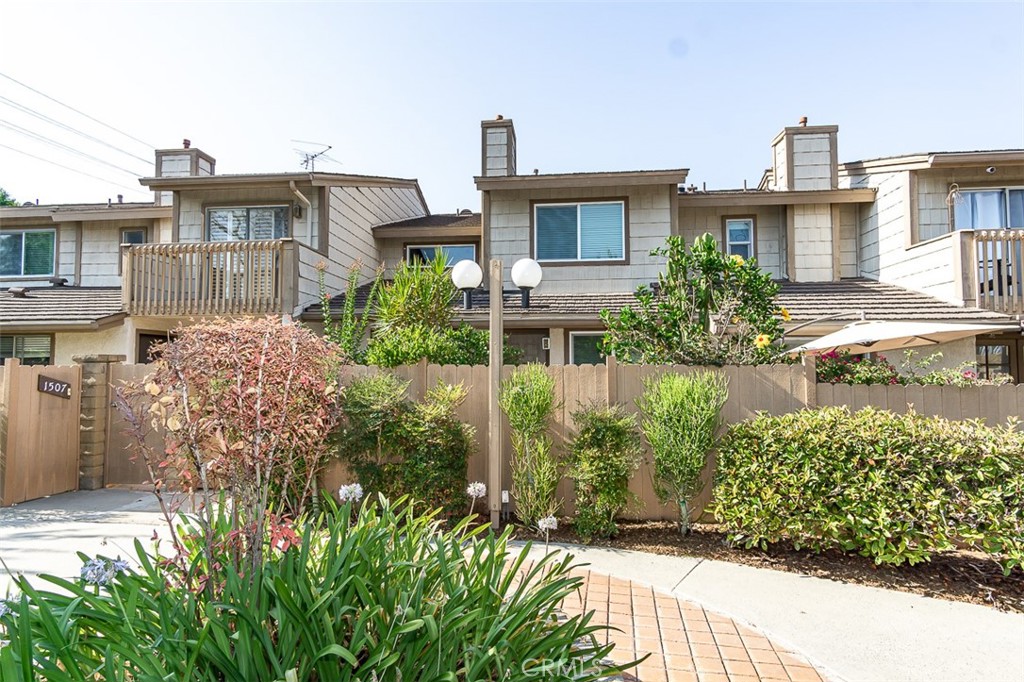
column 956, row 576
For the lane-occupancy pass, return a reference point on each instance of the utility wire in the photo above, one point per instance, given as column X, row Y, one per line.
column 80, row 113
column 53, row 121
column 73, row 170
column 60, row 145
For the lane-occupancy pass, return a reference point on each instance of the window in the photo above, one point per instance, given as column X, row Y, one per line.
column 28, row 253
column 240, row 223
column 739, row 237
column 585, row 348
column 989, row 209
column 147, row 342
column 452, row 253
column 31, row 350
column 993, row 360
column 580, row 232
column 133, row 235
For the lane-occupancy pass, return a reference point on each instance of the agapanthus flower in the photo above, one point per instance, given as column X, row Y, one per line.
column 548, row 523
column 350, row 493
column 476, row 490
column 102, row 571
column 5, row 608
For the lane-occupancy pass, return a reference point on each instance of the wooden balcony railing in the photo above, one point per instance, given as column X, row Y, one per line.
column 999, row 272
column 209, row 278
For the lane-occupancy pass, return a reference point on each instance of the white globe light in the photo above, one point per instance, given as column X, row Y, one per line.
column 526, row 273
column 467, row 274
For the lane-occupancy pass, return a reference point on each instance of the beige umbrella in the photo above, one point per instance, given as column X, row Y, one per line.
column 876, row 336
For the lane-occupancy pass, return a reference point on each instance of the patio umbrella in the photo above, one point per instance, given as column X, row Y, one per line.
column 875, row 336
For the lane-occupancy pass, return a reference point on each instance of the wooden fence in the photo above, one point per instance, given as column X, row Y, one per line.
column 775, row 389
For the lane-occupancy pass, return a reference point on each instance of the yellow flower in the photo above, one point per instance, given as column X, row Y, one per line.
column 786, row 317
column 762, row 341
column 737, row 259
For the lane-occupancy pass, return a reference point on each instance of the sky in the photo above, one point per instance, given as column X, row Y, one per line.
column 399, row 89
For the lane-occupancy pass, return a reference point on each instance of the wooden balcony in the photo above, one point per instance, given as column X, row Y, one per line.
column 210, row 278
column 996, row 275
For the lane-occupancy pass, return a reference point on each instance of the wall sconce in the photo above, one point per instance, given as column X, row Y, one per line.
column 467, row 275
column 526, row 274
column 296, row 210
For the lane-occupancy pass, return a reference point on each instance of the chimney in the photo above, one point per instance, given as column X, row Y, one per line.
column 498, row 147
column 178, row 163
column 805, row 158
column 120, row 198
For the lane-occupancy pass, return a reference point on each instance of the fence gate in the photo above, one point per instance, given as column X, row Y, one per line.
column 39, row 430
column 122, row 464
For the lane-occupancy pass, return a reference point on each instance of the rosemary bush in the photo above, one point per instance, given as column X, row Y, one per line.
column 527, row 398
column 681, row 418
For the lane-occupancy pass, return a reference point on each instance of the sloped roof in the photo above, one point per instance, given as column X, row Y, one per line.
column 806, row 301
column 60, row 306
column 440, row 220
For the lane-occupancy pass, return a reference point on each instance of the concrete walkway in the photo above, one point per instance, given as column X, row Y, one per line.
column 850, row 633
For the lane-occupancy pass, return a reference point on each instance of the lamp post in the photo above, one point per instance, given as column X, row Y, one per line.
column 467, row 275
column 526, row 274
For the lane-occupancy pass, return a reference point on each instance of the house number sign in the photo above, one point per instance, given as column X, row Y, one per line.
column 61, row 389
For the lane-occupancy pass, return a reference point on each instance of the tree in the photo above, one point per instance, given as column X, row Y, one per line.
column 6, row 199
column 708, row 308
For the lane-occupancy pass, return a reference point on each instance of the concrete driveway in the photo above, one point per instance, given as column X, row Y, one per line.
column 43, row 536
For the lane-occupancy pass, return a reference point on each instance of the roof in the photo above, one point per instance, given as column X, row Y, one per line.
column 57, row 307
column 185, row 181
column 105, row 211
column 440, row 220
column 585, row 179
column 937, row 159
column 768, row 197
column 805, row 301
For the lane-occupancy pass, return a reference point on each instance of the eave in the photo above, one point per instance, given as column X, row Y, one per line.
column 582, row 180
column 62, row 325
column 272, row 180
column 780, row 198
column 388, row 232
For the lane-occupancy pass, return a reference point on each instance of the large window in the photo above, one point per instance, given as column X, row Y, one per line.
column 739, row 237
column 996, row 208
column 580, row 232
column 585, row 348
column 31, row 350
column 452, row 253
column 27, row 253
column 239, row 223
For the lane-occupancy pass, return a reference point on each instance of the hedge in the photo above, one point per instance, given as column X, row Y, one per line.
column 893, row 487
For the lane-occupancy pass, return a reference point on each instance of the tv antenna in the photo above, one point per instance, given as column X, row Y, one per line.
column 309, row 157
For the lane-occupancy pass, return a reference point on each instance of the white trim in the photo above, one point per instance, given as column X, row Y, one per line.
column 439, row 246
column 749, row 243
column 22, row 231
column 579, row 232
column 572, row 336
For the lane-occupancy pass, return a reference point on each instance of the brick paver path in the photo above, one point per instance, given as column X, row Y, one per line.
column 686, row 643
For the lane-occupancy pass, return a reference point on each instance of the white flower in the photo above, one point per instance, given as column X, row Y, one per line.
column 350, row 493
column 548, row 523
column 5, row 608
column 120, row 565
column 476, row 490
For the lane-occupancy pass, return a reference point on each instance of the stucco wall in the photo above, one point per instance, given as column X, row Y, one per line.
column 649, row 226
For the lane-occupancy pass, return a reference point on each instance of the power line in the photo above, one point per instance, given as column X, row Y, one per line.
column 60, row 145
column 53, row 121
column 73, row 170
column 80, row 113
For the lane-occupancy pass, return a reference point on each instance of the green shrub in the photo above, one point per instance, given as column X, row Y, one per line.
column 399, row 447
column 681, row 418
column 388, row 597
column 527, row 398
column 604, row 454
column 892, row 487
